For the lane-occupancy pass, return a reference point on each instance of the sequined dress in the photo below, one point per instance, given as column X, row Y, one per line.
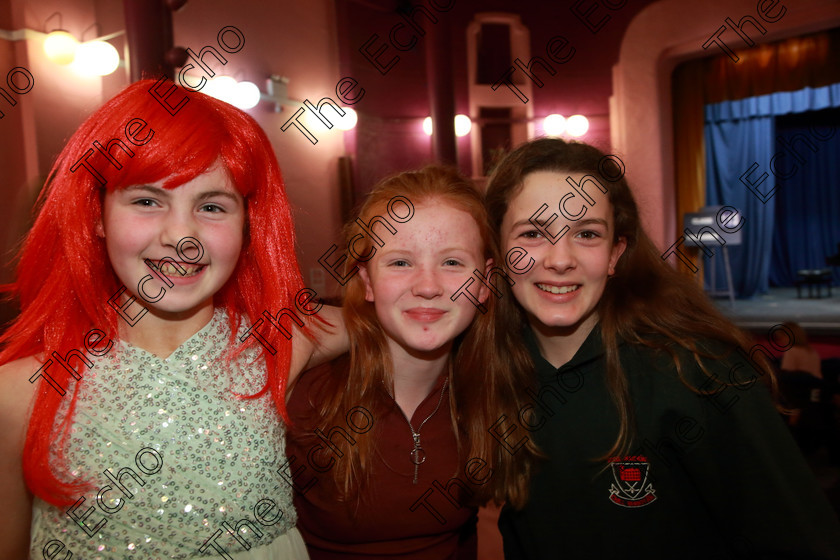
column 180, row 467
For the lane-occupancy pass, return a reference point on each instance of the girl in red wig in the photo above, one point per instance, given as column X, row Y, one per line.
column 143, row 385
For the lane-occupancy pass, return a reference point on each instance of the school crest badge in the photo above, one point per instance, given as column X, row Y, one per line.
column 630, row 487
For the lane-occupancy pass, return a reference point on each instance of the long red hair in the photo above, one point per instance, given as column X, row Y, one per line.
column 479, row 396
column 64, row 278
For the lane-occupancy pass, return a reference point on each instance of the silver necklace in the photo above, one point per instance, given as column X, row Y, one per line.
column 418, row 454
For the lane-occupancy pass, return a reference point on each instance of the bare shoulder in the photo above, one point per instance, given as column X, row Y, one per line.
column 16, row 392
column 16, row 398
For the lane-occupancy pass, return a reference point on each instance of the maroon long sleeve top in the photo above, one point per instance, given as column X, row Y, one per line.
column 396, row 517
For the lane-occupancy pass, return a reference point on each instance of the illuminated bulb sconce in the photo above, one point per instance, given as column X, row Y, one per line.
column 247, row 95
column 220, row 87
column 556, row 125
column 463, row 125
column 60, row 47
column 95, row 58
column 577, row 125
column 348, row 121
column 277, row 92
column 427, row 126
column 90, row 58
column 243, row 95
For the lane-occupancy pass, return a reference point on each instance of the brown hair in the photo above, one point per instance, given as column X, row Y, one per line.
column 482, row 387
column 799, row 336
column 646, row 302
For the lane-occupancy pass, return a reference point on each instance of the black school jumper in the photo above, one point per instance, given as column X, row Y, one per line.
column 714, row 476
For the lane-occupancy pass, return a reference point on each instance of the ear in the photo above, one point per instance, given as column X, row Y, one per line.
column 616, row 252
column 363, row 274
column 484, row 291
column 99, row 229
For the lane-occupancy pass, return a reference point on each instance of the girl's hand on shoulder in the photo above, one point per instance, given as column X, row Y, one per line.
column 330, row 341
column 17, row 395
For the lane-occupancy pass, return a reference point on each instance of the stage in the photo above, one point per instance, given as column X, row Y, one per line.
column 819, row 317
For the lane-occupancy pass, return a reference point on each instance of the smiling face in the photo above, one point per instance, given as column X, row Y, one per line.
column 147, row 222
column 411, row 279
column 561, row 291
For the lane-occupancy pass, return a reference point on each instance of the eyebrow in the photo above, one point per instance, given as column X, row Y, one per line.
column 454, row 250
column 150, row 188
column 211, row 194
column 401, row 251
column 593, row 221
column 164, row 193
column 586, row 222
column 527, row 222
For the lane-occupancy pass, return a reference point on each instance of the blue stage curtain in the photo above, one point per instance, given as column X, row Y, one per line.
column 808, row 204
column 739, row 134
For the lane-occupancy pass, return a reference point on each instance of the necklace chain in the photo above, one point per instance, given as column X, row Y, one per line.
column 418, row 454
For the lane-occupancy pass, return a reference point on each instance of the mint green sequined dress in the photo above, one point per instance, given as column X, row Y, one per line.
column 202, row 462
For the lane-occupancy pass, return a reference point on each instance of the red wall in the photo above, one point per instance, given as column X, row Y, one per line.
column 389, row 134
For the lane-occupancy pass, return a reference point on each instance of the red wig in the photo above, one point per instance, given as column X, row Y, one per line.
column 64, row 278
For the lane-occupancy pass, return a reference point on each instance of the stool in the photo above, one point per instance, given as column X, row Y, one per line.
column 811, row 278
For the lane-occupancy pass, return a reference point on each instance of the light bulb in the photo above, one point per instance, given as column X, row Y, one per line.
column 427, row 126
column 96, row 58
column 60, row 47
column 246, row 95
column 577, row 125
column 554, row 125
column 463, row 125
column 222, row 88
column 348, row 121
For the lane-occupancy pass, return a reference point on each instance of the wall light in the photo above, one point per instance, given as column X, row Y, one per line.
column 427, row 126
column 96, row 58
column 463, row 125
column 243, row 95
column 577, row 125
column 348, row 121
column 246, row 95
column 220, row 87
column 554, row 125
column 60, row 47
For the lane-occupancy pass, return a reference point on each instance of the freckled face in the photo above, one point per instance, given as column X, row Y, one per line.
column 411, row 279
column 565, row 283
column 147, row 222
